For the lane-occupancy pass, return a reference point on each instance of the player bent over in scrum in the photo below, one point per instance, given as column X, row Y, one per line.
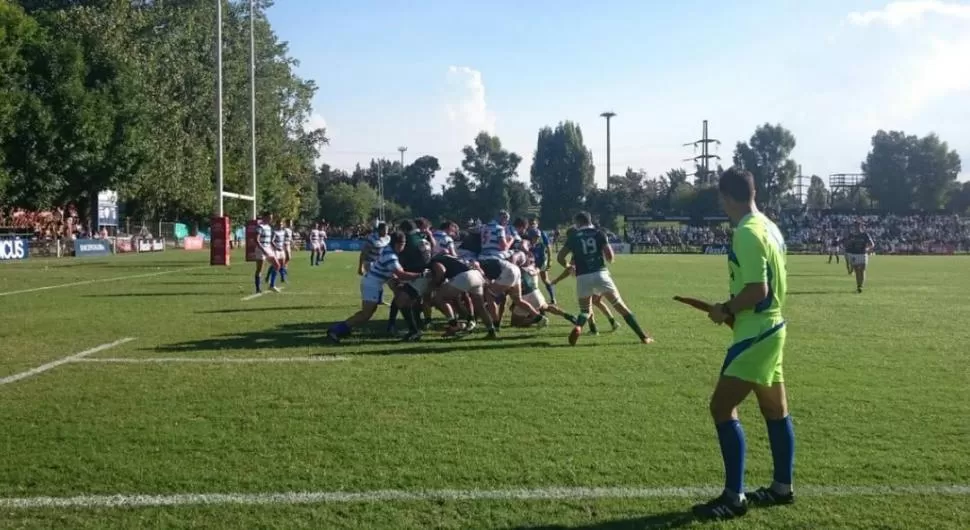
column 506, row 280
column 453, row 280
column 591, row 251
column 532, row 294
column 372, row 284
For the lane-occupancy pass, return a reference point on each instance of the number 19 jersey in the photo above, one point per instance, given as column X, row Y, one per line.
column 586, row 245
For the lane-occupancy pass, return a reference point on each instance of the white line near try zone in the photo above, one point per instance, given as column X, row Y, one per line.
column 513, row 494
column 100, row 280
column 212, row 360
column 54, row 364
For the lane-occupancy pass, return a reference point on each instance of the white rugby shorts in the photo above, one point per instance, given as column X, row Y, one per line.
column 596, row 283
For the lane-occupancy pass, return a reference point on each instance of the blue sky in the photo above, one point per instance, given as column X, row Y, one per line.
column 429, row 74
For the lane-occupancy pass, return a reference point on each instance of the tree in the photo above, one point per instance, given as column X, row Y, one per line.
column 767, row 156
column 348, row 204
column 905, row 172
column 958, row 198
column 493, row 169
column 818, row 196
column 414, row 188
column 562, row 172
column 521, row 200
column 458, row 197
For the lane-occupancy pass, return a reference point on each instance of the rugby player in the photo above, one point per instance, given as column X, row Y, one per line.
column 277, row 244
column 597, row 303
column 506, row 280
column 495, row 237
column 287, row 246
column 453, row 280
column 471, row 244
column 532, row 294
column 414, row 258
column 315, row 241
column 833, row 249
column 371, row 252
column 591, row 251
column 444, row 238
column 386, row 267
column 539, row 242
column 265, row 240
column 857, row 249
column 753, row 363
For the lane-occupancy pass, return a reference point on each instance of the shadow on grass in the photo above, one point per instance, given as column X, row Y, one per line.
column 203, row 280
column 649, row 522
column 817, row 293
column 370, row 339
column 271, row 309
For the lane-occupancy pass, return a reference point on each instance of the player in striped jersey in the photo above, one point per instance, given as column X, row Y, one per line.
column 287, row 246
column 277, row 245
column 444, row 236
column 386, row 266
column 316, row 238
column 495, row 237
column 372, row 248
column 265, row 242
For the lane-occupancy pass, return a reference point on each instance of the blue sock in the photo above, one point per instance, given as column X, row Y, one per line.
column 552, row 291
column 731, row 437
column 781, row 436
column 342, row 329
column 257, row 282
column 283, row 274
column 312, row 257
column 272, row 278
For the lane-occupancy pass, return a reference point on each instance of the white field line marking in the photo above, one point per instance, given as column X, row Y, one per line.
column 100, row 280
column 517, row 494
column 70, row 358
column 211, row 360
column 261, row 293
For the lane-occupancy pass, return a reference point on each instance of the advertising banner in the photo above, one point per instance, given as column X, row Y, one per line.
column 621, row 248
column 192, row 243
column 124, row 244
column 14, row 248
column 151, row 245
column 107, row 208
column 87, row 248
column 345, row 245
column 716, row 249
column 219, row 249
column 253, row 252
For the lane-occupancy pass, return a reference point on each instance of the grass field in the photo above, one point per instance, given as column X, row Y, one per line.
column 525, row 432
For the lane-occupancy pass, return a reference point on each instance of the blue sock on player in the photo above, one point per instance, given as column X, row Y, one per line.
column 781, row 436
column 341, row 329
column 272, row 278
column 257, row 282
column 312, row 258
column 731, row 437
column 552, row 291
column 283, row 274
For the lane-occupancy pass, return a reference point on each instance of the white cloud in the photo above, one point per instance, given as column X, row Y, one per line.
column 466, row 106
column 315, row 121
column 896, row 14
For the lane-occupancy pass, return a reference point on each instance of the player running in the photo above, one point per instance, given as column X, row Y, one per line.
column 754, row 360
column 591, row 251
column 265, row 241
column 453, row 280
column 386, row 267
column 857, row 248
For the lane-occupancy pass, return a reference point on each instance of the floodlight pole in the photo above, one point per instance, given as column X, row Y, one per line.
column 608, row 115
column 219, row 179
column 252, row 95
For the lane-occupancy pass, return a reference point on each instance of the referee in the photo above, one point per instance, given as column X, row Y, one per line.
column 753, row 361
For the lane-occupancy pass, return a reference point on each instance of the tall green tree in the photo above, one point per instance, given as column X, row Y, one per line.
column 905, row 171
column 818, row 196
column 767, row 155
column 493, row 168
column 348, row 204
column 458, row 197
column 562, row 172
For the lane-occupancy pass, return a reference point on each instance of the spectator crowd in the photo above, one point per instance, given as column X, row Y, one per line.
column 938, row 234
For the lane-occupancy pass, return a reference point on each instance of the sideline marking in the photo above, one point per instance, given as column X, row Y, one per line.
column 518, row 494
column 100, row 280
column 70, row 358
column 212, row 360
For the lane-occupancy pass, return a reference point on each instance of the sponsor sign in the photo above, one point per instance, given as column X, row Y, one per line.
column 151, row 245
column 14, row 248
column 107, row 208
column 219, row 241
column 346, row 245
column 124, row 244
column 621, row 248
column 192, row 243
column 85, row 248
column 716, row 249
